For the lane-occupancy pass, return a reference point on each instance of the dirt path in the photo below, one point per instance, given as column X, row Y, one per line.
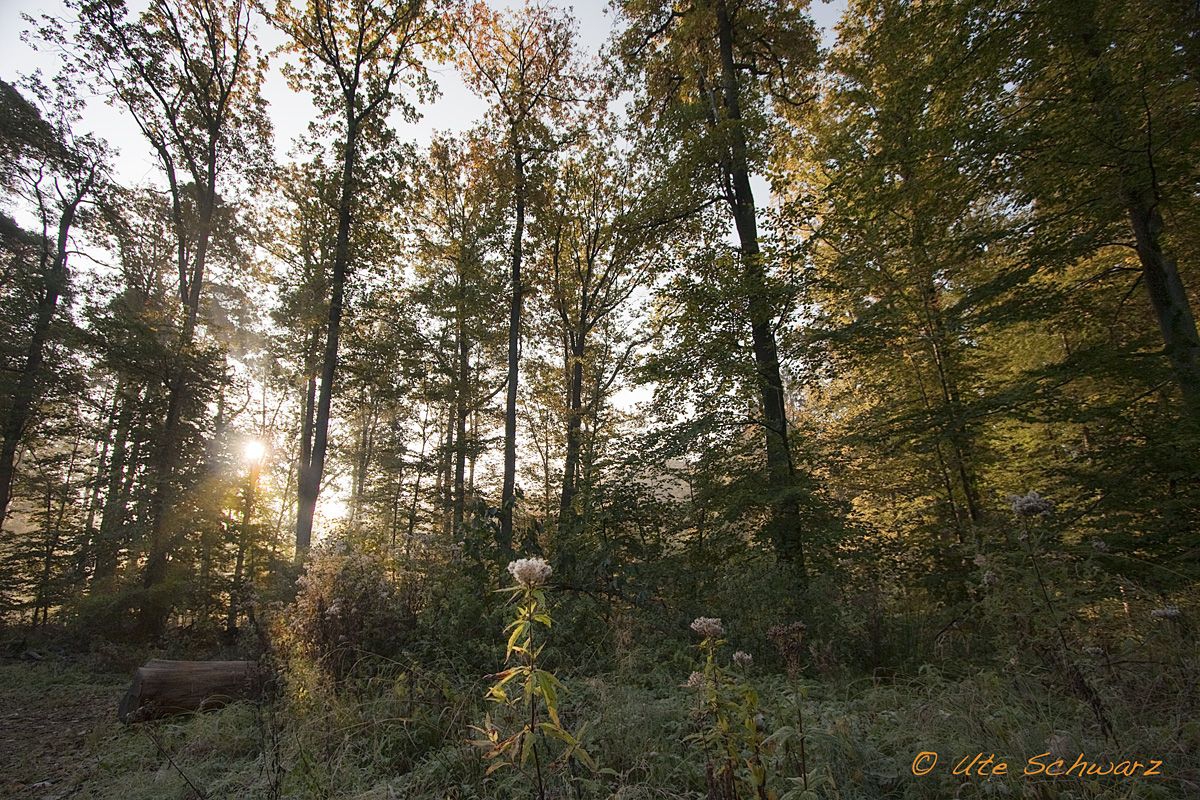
column 48, row 714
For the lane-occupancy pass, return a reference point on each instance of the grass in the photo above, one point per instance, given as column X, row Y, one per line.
column 399, row 737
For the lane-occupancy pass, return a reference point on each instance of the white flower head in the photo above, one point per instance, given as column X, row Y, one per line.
column 695, row 681
column 530, row 572
column 1099, row 545
column 1030, row 505
column 1169, row 612
column 743, row 659
column 708, row 627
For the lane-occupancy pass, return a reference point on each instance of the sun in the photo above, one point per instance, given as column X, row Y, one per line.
column 254, row 450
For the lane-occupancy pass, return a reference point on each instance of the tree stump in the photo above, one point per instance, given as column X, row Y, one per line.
column 162, row 688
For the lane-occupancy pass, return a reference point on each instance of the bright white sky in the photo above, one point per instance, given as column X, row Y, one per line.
column 455, row 110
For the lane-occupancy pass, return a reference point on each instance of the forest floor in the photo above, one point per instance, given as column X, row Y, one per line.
column 60, row 738
column 51, row 717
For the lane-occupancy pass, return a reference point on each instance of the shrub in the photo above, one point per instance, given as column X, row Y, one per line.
column 349, row 608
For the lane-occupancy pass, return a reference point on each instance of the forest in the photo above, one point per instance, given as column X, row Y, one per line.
column 752, row 401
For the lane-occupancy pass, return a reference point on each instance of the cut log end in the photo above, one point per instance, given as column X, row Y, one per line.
column 163, row 688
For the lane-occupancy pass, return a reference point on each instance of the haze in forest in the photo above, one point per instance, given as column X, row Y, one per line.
column 708, row 399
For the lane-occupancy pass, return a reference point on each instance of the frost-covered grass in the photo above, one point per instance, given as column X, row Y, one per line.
column 403, row 735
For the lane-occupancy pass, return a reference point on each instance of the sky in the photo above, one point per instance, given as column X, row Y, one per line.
column 456, row 109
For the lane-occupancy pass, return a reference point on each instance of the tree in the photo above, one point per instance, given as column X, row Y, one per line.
column 525, row 63
column 457, row 225
column 1105, row 101
column 189, row 75
column 353, row 53
column 595, row 243
column 718, row 68
column 55, row 171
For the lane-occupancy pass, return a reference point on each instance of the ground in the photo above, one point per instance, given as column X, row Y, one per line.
column 53, row 716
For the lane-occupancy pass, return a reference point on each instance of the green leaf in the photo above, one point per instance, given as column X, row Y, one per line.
column 512, row 639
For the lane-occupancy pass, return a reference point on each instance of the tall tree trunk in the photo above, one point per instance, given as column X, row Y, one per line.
column 309, row 484
column 447, row 468
column 473, row 456
column 785, row 526
column 566, row 508
column 461, row 410
column 87, row 546
column 416, row 495
column 508, row 496
column 116, row 494
column 307, row 424
column 240, row 560
column 21, row 403
column 1170, row 302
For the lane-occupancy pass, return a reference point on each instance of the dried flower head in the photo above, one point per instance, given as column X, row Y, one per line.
column 1093, row 651
column 789, row 641
column 1030, row 505
column 1167, row 612
column 530, row 572
column 743, row 659
column 1099, row 545
column 695, row 681
column 980, row 560
column 708, row 627
column 990, row 578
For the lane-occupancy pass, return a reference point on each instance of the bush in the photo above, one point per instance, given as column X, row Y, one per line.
column 350, row 608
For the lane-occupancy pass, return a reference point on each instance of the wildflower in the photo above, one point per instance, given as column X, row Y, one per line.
column 743, row 659
column 1168, row 612
column 789, row 641
column 790, row 634
column 990, row 579
column 1099, row 545
column 530, row 572
column 695, row 681
column 708, row 627
column 1093, row 651
column 980, row 560
column 1030, row 505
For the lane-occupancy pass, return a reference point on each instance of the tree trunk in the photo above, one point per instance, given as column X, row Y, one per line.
column 163, row 688
column 508, row 497
column 307, row 425
column 461, row 410
column 785, row 527
column 240, row 561
column 566, row 507
column 309, row 484
column 447, row 469
column 87, row 547
column 112, row 515
column 1170, row 303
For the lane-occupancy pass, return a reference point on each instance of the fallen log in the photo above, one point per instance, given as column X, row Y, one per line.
column 162, row 688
